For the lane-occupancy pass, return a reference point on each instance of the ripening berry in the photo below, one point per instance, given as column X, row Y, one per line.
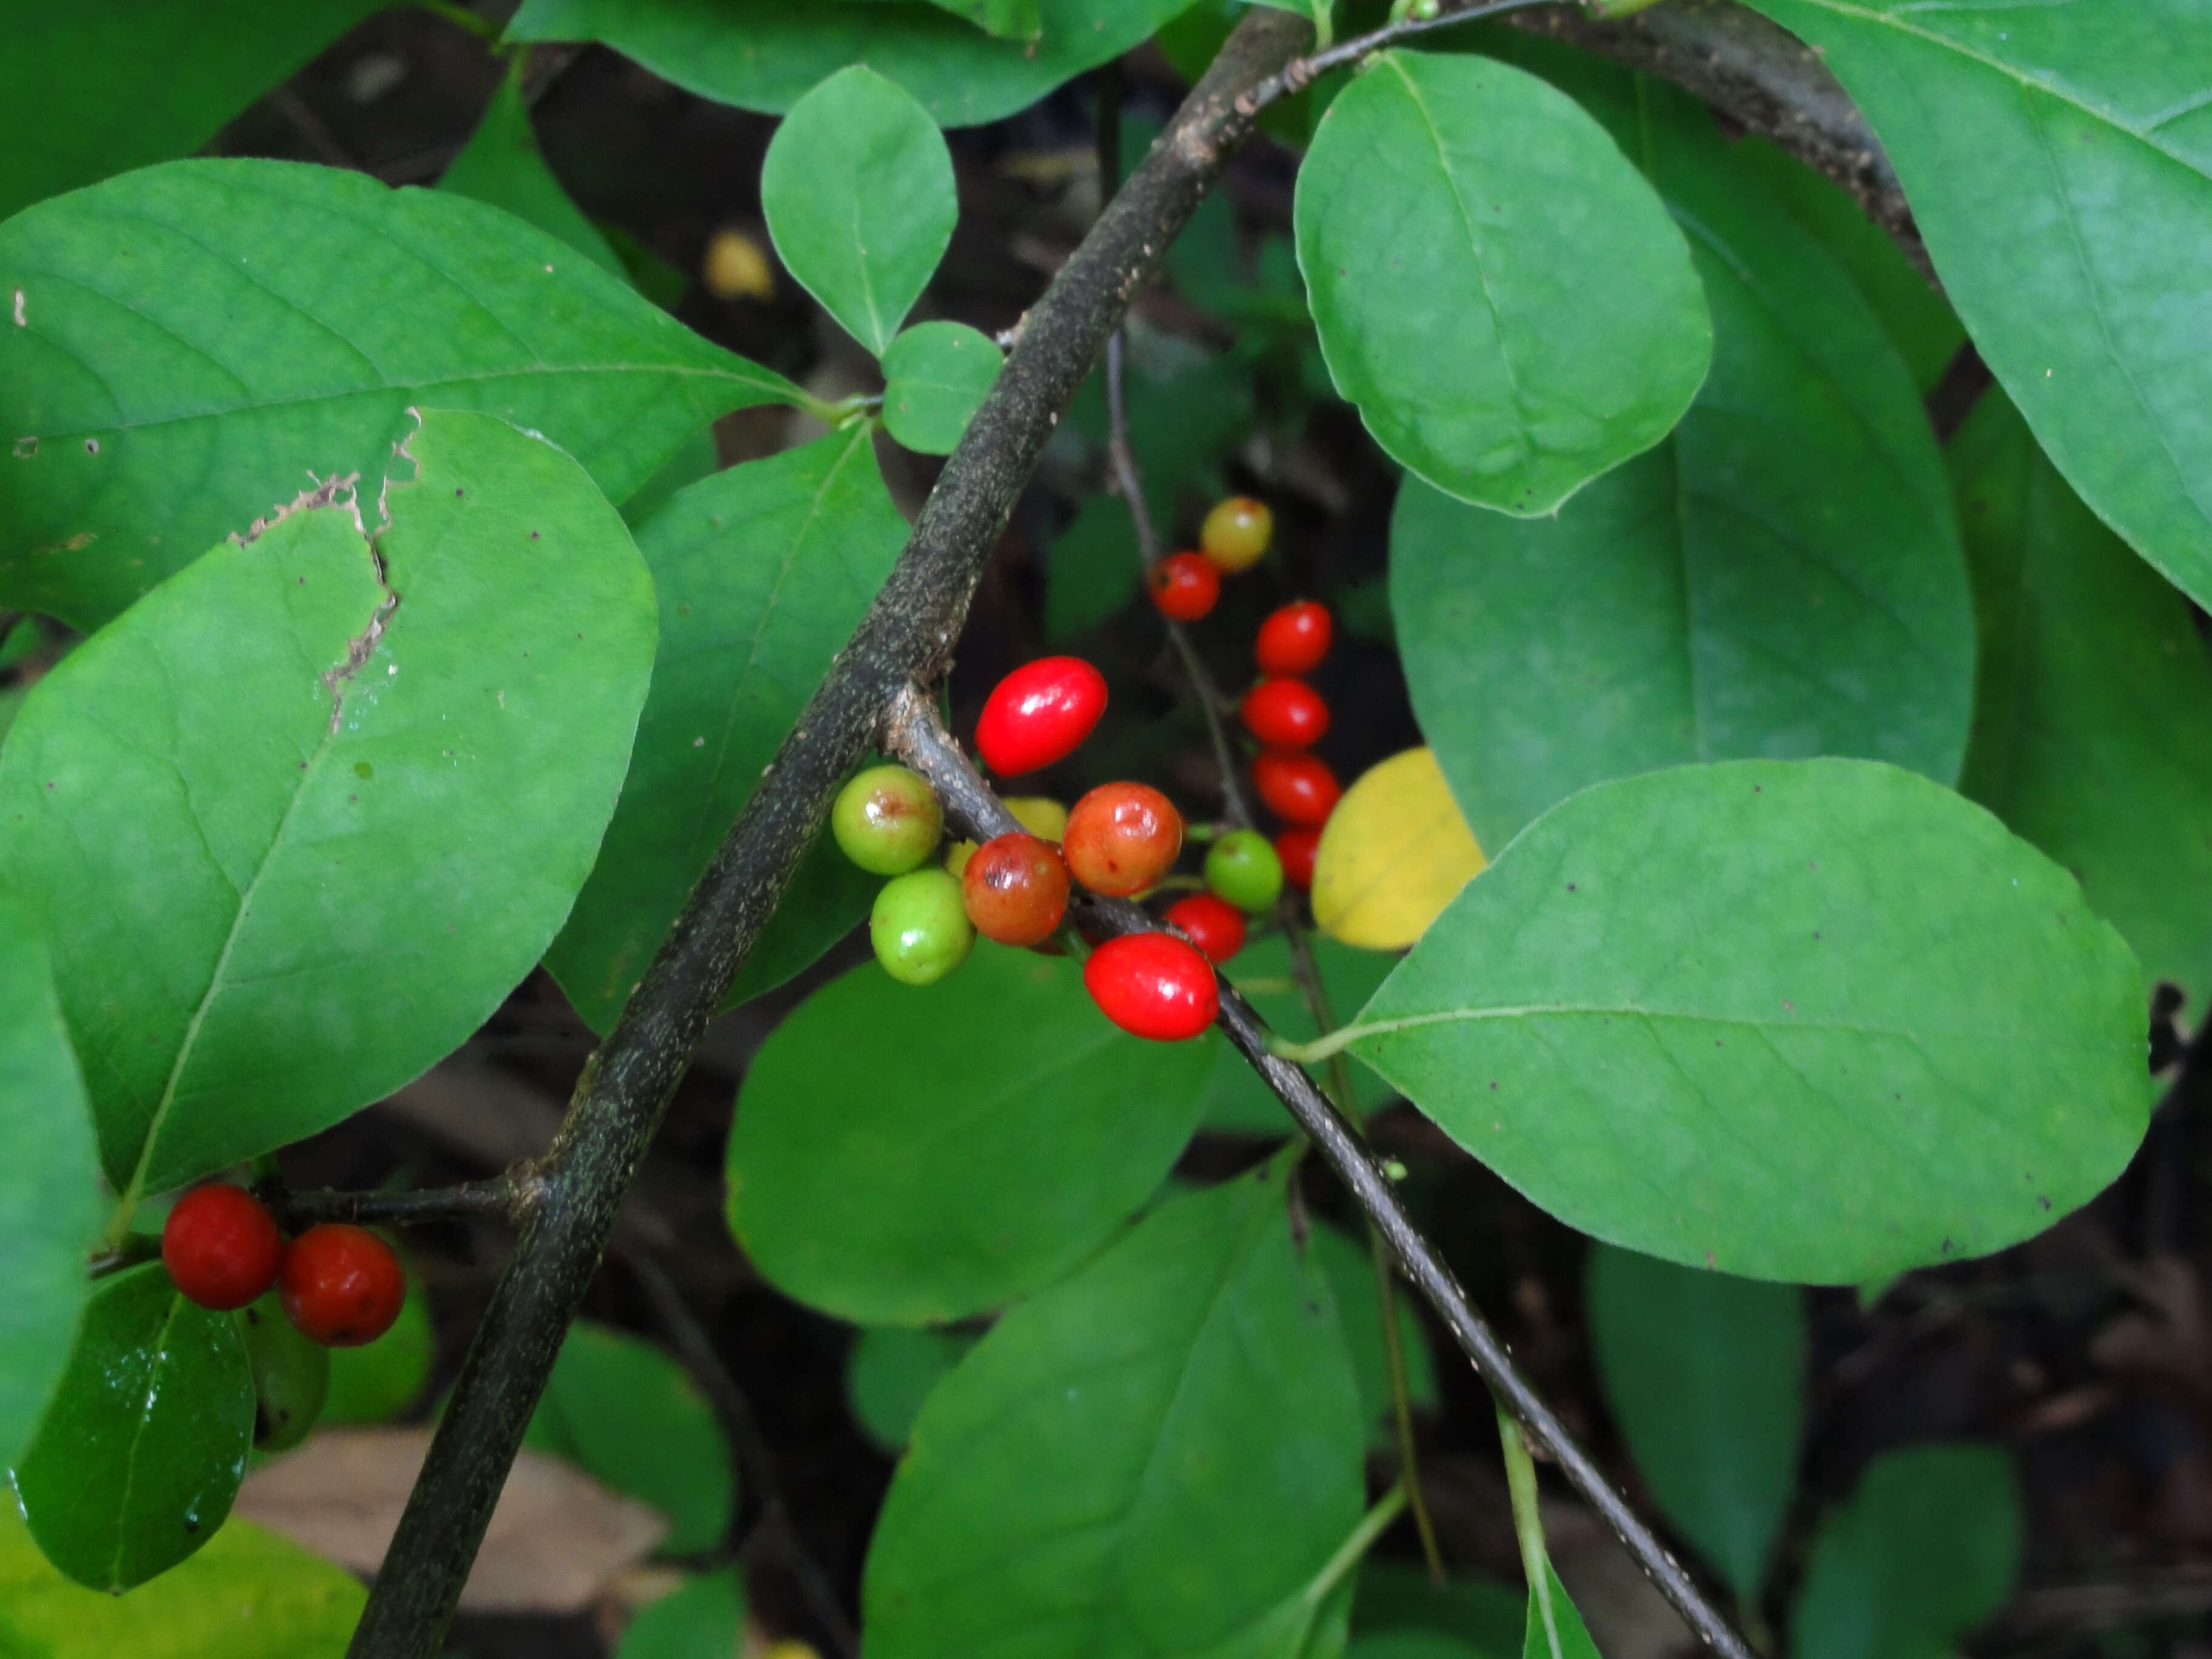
column 1242, row 867
column 1294, row 640
column 1298, row 787
column 1039, row 815
column 1015, row 890
column 1215, row 925
column 887, row 820
column 291, row 1375
column 1237, row 532
column 1296, row 848
column 221, row 1247
column 341, row 1285
column 1122, row 838
column 1286, row 713
column 1184, row 585
column 919, row 928
column 1154, row 985
column 1039, row 713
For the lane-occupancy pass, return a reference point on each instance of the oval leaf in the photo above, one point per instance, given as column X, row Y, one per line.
column 1147, row 1459
column 631, row 1417
column 135, row 1462
column 49, row 1182
column 305, row 824
column 1781, row 577
column 2093, row 730
column 703, row 1619
column 1809, row 1020
column 1449, row 216
column 936, row 376
column 1393, row 852
column 858, row 191
column 890, row 1372
column 1705, row 1375
column 766, row 54
column 1926, row 1548
column 761, row 573
column 193, row 338
column 2051, row 163
column 906, row 1156
column 249, row 1595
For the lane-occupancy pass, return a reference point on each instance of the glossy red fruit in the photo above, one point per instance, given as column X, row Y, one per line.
column 1184, row 585
column 1014, row 889
column 1294, row 640
column 1122, row 838
column 1296, row 788
column 341, row 1285
column 1039, row 713
column 1215, row 925
column 221, row 1247
column 1296, row 848
column 1286, row 713
column 1154, row 985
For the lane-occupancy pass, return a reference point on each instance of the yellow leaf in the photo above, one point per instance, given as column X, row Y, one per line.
column 1396, row 851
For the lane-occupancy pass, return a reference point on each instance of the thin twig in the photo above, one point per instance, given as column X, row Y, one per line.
column 507, row 1198
column 1297, row 77
column 915, row 735
column 756, row 1462
column 907, row 634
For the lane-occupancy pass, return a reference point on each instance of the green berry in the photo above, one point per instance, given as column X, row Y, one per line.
column 1243, row 868
column 887, row 820
column 291, row 1375
column 919, row 928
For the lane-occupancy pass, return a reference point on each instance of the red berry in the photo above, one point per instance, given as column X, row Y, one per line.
column 1298, row 787
column 1015, row 888
column 1154, row 985
column 1296, row 848
column 1294, row 640
column 1286, row 713
column 1122, row 838
column 1039, row 713
column 1215, row 925
column 221, row 1247
column 341, row 1285
column 1185, row 585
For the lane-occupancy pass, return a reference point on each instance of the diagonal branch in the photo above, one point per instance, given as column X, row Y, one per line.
column 907, row 634
column 917, row 737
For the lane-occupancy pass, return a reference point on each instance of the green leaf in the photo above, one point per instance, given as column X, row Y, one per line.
column 701, row 457
column 1808, row 1020
column 297, row 825
column 1555, row 1630
column 910, row 1156
column 1918, row 320
column 137, row 1459
column 2054, row 163
column 890, row 1372
column 767, row 54
column 1421, row 1644
column 1478, row 1615
column 1345, row 1262
column 1236, row 1101
column 936, row 376
column 1091, row 569
column 501, row 165
column 379, row 1380
column 761, row 572
column 2093, row 730
column 704, row 1619
column 49, row 1182
column 1188, row 411
column 1496, row 287
column 1925, row 1549
column 858, row 192
column 630, row 1416
column 1143, row 1460
column 1010, row 19
column 1705, row 1375
column 1781, row 577
column 198, row 338
column 95, row 90
column 248, row 1595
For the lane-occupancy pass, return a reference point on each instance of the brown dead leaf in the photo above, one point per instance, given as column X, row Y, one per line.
column 556, row 1539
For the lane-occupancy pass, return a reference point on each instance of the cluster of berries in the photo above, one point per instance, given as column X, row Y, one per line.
column 1287, row 715
column 340, row 1287
column 1119, row 840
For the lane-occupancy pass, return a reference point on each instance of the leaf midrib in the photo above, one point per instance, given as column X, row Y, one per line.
column 1363, row 1029
column 145, row 1416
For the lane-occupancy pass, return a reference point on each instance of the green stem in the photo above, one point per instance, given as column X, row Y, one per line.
column 1372, row 1525
column 460, row 16
column 1528, row 1524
